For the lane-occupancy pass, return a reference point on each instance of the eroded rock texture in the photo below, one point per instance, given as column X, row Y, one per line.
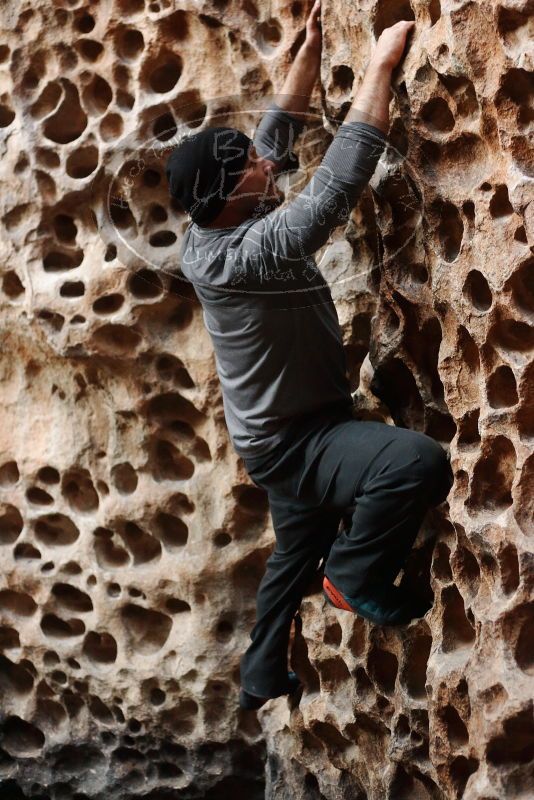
column 131, row 539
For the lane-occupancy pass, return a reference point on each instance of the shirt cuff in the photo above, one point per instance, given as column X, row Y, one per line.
column 356, row 125
column 288, row 116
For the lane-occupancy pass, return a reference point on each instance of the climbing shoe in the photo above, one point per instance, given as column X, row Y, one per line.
column 252, row 701
column 387, row 605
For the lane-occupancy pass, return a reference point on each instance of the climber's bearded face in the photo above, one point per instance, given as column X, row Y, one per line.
column 256, row 191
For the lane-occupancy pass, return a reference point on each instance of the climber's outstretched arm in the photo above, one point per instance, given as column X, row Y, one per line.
column 371, row 104
column 295, row 94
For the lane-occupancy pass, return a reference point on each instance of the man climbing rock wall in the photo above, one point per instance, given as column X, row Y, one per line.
column 132, row 538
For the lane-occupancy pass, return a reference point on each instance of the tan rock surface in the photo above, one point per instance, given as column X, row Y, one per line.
column 131, row 538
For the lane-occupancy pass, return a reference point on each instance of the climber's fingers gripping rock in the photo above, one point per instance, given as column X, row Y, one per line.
column 391, row 43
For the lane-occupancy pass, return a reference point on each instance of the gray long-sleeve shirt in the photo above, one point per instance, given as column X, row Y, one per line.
column 267, row 307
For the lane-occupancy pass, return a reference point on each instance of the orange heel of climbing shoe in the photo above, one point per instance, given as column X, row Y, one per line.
column 334, row 597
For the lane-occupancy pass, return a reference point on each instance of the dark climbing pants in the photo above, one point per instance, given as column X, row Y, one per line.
column 386, row 476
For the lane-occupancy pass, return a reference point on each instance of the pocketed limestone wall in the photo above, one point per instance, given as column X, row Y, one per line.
column 131, row 539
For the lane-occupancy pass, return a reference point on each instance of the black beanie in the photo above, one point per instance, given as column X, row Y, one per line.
column 204, row 168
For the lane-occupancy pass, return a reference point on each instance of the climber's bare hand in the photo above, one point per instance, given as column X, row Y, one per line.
column 391, row 43
column 313, row 27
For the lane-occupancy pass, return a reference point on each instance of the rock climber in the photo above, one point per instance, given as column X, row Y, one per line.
column 281, row 363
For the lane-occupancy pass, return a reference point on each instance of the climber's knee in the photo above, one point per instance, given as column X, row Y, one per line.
column 436, row 467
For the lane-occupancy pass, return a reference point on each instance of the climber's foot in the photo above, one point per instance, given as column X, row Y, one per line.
column 252, row 701
column 388, row 605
